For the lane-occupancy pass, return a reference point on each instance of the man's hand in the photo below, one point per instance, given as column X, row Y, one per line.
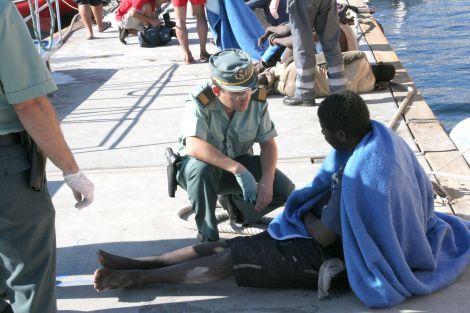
column 265, row 193
column 271, row 39
column 248, row 184
column 262, row 39
column 82, row 187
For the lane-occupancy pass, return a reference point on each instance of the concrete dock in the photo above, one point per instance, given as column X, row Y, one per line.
column 120, row 106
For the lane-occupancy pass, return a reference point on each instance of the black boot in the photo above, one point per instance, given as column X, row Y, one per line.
column 292, row 101
column 234, row 214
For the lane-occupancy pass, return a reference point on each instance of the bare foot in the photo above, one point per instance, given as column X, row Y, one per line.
column 105, row 279
column 188, row 60
column 114, row 262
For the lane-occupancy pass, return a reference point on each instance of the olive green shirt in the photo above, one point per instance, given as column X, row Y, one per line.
column 233, row 137
column 23, row 73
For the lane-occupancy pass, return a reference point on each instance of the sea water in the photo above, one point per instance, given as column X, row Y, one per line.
column 432, row 40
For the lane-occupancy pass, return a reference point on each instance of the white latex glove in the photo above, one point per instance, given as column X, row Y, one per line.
column 82, row 187
column 273, row 6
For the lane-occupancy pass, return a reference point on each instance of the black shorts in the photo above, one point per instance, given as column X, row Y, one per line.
column 261, row 261
column 93, row 3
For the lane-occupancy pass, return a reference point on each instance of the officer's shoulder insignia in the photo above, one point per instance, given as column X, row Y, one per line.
column 260, row 94
column 205, row 96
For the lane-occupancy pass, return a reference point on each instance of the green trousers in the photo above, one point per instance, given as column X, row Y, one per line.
column 27, row 237
column 204, row 182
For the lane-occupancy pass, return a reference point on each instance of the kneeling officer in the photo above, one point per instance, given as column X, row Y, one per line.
column 222, row 121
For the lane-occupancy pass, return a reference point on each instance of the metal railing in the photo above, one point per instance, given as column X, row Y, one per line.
column 47, row 44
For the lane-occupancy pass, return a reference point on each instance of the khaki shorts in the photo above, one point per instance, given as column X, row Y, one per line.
column 129, row 22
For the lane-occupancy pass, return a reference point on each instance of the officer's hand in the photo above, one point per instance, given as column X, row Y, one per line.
column 82, row 187
column 265, row 193
column 248, row 184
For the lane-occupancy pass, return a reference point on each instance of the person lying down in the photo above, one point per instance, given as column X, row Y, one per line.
column 367, row 220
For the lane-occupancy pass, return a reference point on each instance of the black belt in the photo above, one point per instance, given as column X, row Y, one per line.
column 10, row 139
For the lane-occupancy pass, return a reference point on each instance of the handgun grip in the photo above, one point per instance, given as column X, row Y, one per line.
column 171, row 170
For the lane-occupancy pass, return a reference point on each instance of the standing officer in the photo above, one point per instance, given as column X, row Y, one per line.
column 223, row 119
column 304, row 16
column 27, row 118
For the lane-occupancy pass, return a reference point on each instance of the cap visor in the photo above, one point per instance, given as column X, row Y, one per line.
column 251, row 84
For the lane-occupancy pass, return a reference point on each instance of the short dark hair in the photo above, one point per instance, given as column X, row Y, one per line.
column 345, row 111
column 383, row 72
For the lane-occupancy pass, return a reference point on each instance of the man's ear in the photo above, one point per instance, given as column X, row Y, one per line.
column 341, row 135
column 216, row 90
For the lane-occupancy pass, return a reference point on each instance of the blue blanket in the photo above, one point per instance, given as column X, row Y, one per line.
column 395, row 245
column 234, row 25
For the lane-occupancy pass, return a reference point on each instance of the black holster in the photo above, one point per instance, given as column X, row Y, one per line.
column 171, row 170
column 37, row 174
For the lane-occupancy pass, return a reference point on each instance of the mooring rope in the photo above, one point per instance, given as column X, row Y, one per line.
column 186, row 219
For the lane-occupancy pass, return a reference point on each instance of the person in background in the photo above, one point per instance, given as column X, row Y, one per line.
column 134, row 15
column 29, row 130
column 361, row 76
column 181, row 8
column 321, row 15
column 86, row 8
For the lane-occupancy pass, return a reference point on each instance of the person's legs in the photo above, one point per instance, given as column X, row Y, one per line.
column 201, row 181
column 97, row 10
column 201, row 26
column 302, row 18
column 201, row 270
column 27, row 243
column 327, row 28
column 85, row 14
column 182, row 32
column 116, row 262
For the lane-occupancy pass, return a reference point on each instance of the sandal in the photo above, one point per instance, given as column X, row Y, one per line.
column 204, row 57
column 105, row 25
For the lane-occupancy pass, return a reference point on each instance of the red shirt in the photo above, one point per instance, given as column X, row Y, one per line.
column 125, row 5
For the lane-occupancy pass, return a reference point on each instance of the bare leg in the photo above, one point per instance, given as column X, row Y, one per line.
column 202, row 270
column 98, row 14
column 85, row 14
column 201, row 26
column 116, row 262
column 182, row 33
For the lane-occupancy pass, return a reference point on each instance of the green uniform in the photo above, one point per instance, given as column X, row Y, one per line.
column 27, row 236
column 205, row 118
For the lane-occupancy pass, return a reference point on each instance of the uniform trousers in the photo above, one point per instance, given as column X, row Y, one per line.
column 27, row 237
column 322, row 16
column 204, row 182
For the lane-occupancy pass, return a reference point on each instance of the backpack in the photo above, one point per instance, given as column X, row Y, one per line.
column 154, row 36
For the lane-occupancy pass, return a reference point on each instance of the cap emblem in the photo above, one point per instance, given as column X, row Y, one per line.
column 241, row 74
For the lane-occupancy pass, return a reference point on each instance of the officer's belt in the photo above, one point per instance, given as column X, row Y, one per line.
column 10, row 139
